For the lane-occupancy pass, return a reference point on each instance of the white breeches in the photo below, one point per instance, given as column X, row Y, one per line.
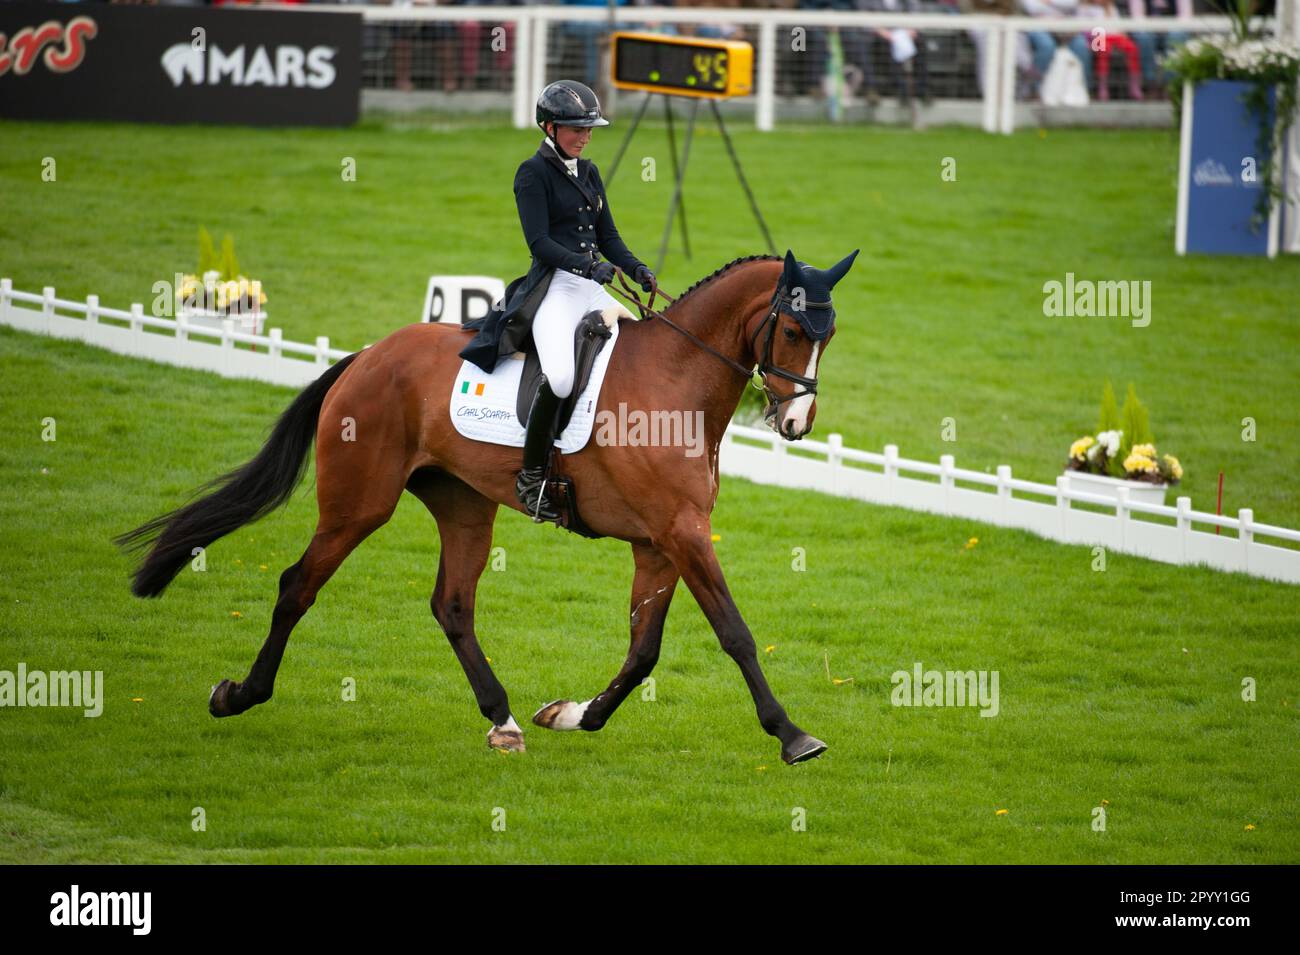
column 568, row 299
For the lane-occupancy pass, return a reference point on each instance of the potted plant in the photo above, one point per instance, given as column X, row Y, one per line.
column 219, row 290
column 1234, row 97
column 1122, row 454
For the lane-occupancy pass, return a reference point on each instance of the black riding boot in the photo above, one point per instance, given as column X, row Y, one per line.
column 531, row 484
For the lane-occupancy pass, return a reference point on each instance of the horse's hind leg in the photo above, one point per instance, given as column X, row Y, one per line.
column 465, row 519
column 652, row 593
column 367, row 507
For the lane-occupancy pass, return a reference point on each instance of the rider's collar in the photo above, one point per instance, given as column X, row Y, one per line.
column 572, row 164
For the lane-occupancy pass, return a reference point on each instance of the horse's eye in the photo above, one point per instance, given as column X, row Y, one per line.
column 790, row 334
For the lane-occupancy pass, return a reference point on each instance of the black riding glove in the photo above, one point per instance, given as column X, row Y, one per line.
column 601, row 271
column 645, row 277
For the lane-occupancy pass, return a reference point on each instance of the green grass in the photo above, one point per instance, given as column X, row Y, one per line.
column 1122, row 686
column 942, row 316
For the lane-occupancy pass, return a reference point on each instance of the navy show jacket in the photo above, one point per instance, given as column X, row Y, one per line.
column 566, row 222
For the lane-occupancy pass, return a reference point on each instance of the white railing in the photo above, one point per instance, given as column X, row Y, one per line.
column 1000, row 499
column 172, row 341
column 758, row 455
column 998, row 112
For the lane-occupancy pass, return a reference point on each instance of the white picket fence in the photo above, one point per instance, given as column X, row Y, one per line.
column 755, row 454
column 172, row 341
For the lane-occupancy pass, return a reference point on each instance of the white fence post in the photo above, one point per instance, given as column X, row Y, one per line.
column 1122, row 513
column 523, row 117
column 992, row 77
column 1246, row 534
column 227, row 343
column 47, row 308
column 1004, row 492
column 537, row 59
column 1184, row 525
column 1007, row 89
column 6, row 286
column 891, row 472
column 322, row 352
column 1063, row 505
column 765, row 92
column 835, row 459
column 137, row 326
column 946, row 462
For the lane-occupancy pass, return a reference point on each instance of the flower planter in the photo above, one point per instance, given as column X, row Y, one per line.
column 1218, row 194
column 1105, row 486
column 250, row 322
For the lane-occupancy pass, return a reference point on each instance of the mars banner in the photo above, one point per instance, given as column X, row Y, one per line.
column 179, row 64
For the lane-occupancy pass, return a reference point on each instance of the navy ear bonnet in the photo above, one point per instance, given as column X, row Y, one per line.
column 817, row 316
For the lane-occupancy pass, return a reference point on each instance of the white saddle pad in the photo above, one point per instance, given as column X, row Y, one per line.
column 483, row 405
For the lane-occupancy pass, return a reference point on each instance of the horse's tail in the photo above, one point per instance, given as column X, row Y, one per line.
column 239, row 497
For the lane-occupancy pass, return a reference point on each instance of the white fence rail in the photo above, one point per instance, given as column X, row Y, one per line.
column 999, row 36
column 172, row 341
column 758, row 455
column 1000, row 499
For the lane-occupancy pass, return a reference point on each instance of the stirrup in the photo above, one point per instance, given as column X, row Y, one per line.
column 530, row 488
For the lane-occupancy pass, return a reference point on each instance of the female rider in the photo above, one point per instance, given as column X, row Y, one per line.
column 568, row 226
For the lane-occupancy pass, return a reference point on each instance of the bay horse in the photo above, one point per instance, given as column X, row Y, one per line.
column 698, row 353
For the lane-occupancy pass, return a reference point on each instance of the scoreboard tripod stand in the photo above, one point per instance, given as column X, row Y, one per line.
column 686, row 68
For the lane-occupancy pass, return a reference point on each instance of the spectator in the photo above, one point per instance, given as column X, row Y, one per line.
column 1152, row 46
column 979, row 38
column 588, row 34
column 911, row 72
column 1084, row 47
column 1042, row 43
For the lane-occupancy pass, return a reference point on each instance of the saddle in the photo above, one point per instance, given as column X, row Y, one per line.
column 588, row 340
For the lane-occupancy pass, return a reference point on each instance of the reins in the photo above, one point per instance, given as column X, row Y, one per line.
column 763, row 368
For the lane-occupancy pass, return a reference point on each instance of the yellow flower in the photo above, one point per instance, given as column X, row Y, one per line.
column 1080, row 448
column 970, row 544
column 1175, row 468
column 1250, row 827
column 1139, row 462
column 1146, row 450
column 1002, row 812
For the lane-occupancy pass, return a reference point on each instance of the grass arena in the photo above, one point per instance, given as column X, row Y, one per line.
column 1120, row 689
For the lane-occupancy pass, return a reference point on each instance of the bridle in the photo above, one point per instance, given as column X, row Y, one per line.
column 757, row 375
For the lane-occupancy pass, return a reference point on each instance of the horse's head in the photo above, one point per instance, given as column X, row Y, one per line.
column 791, row 339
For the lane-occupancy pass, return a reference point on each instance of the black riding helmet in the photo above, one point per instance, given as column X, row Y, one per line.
column 568, row 103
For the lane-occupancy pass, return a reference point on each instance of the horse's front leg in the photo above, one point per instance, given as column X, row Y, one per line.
column 652, row 591
column 689, row 545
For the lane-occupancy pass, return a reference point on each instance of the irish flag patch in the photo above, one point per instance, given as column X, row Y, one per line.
column 464, row 388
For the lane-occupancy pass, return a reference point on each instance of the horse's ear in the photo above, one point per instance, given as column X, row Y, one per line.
column 793, row 277
column 837, row 271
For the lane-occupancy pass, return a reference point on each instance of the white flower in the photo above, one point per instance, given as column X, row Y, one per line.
column 1110, row 441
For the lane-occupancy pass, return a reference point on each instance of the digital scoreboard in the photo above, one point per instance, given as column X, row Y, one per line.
column 682, row 66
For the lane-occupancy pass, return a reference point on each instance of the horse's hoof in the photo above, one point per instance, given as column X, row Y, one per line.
column 507, row 740
column 219, row 700
column 560, row 715
column 802, row 748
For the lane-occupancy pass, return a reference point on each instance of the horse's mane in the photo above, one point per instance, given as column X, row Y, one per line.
column 720, row 271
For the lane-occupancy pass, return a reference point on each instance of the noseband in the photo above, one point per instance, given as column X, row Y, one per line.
column 765, row 366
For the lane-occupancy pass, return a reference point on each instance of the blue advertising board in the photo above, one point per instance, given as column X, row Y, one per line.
column 1221, row 174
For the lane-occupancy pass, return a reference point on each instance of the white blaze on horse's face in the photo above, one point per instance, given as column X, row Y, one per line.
column 794, row 420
